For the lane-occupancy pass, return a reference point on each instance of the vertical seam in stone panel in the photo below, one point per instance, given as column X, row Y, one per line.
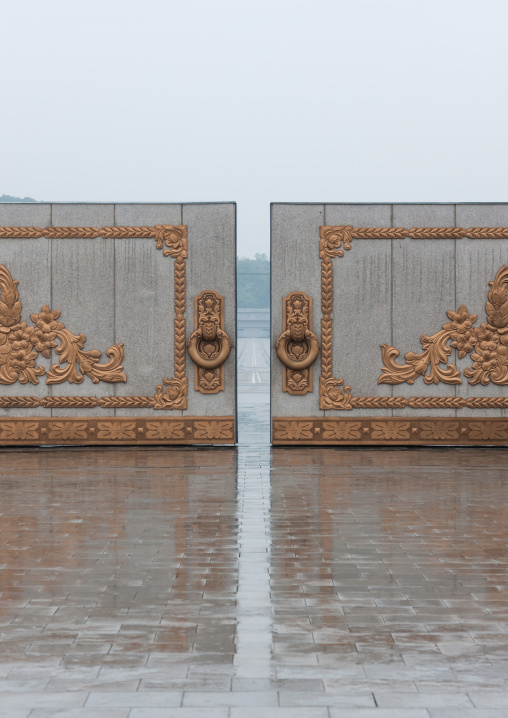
column 316, row 378
column 235, row 318
column 115, row 388
column 391, row 292
column 270, row 330
column 456, row 387
column 50, row 386
column 321, row 314
column 191, row 376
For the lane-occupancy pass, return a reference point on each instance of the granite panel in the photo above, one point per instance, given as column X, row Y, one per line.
column 423, row 215
column 144, row 304
column 362, row 304
column 21, row 214
column 83, row 287
column 83, row 215
column 122, row 291
column 29, row 263
column 482, row 215
column 211, row 264
column 423, row 291
column 295, row 266
column 478, row 262
column 359, row 215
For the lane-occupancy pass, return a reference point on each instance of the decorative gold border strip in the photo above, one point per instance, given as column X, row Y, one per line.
column 393, row 431
column 170, row 236
column 333, row 237
column 116, row 431
column 333, row 394
column 172, row 393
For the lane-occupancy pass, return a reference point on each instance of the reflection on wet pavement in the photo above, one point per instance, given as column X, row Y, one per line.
column 233, row 583
column 254, row 391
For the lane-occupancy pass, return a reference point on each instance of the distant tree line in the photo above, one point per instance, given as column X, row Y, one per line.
column 253, row 282
column 9, row 198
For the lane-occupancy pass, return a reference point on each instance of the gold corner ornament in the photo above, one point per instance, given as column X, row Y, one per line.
column 209, row 346
column 297, row 347
column 487, row 345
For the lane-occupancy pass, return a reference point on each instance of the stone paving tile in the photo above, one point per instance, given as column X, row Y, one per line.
column 307, row 712
column 9, row 702
column 396, row 699
column 466, row 713
column 157, row 699
column 179, row 713
column 248, row 698
column 347, row 700
column 379, row 713
column 80, row 713
column 490, row 699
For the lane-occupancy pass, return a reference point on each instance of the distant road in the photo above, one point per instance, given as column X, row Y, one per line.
column 253, row 363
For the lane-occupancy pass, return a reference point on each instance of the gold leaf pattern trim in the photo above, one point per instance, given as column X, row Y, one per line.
column 386, row 431
column 116, row 431
column 172, row 239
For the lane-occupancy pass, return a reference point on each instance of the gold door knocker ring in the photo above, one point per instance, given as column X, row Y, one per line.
column 202, row 346
column 291, row 350
column 297, row 347
column 209, row 346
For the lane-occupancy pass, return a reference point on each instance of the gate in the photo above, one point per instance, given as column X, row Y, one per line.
column 389, row 324
column 117, row 324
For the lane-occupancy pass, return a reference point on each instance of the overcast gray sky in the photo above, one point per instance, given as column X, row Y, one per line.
column 272, row 100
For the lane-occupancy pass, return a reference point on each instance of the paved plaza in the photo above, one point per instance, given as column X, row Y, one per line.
column 253, row 582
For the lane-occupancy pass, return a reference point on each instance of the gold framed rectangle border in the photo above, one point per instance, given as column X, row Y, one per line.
column 171, row 394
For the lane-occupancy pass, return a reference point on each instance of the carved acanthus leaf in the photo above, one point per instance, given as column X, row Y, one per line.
column 435, row 352
column 71, row 352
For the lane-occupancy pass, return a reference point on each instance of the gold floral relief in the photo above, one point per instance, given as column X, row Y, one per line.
column 487, row 344
column 213, row 429
column 21, row 344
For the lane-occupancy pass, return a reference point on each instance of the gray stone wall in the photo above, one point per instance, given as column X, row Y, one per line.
column 122, row 290
column 385, row 292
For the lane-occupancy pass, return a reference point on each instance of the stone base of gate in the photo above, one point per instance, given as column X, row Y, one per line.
column 111, row 431
column 387, row 431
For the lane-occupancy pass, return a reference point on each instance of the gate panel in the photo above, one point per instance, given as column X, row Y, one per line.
column 97, row 305
column 401, row 360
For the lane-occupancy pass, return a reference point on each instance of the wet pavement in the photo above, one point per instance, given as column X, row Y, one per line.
column 238, row 583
